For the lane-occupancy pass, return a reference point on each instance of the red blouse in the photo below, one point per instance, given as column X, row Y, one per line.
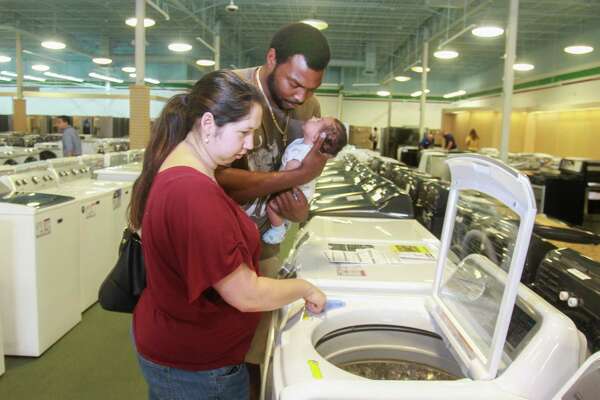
column 193, row 235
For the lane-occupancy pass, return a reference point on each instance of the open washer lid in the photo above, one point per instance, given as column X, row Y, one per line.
column 473, row 299
column 585, row 384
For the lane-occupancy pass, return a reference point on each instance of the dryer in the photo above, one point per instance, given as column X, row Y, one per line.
column 49, row 150
column 39, row 278
column 94, row 227
column 12, row 155
column 469, row 330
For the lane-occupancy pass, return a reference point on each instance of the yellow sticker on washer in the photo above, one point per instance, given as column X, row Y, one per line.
column 315, row 370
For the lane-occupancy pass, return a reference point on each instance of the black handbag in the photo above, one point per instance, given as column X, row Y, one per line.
column 123, row 286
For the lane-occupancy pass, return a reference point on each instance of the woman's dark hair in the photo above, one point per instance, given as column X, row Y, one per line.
column 473, row 134
column 303, row 39
column 222, row 93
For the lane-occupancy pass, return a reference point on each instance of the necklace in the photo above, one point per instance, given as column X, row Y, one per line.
column 283, row 131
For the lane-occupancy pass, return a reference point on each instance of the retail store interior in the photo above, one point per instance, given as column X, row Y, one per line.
column 456, row 235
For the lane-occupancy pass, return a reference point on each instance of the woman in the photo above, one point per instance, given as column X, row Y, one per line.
column 194, row 322
column 472, row 140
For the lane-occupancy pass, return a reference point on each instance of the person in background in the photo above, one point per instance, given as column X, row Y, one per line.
column 449, row 142
column 472, row 140
column 373, row 138
column 294, row 67
column 196, row 318
column 71, row 142
column 428, row 140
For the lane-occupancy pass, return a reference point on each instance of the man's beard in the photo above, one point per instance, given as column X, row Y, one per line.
column 275, row 94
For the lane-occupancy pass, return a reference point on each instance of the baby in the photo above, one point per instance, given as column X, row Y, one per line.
column 335, row 140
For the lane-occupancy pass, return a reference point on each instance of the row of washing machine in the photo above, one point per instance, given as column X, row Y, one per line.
column 408, row 318
column 59, row 236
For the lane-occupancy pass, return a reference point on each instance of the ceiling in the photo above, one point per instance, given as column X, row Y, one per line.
column 390, row 31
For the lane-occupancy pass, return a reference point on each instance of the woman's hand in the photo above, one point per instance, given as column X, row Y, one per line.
column 315, row 300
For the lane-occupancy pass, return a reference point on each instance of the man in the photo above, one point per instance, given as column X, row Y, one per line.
column 373, row 138
column 70, row 140
column 428, row 141
column 449, row 142
column 293, row 70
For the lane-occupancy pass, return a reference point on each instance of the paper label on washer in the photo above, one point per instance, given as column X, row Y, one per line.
column 89, row 210
column 43, row 227
column 350, row 270
column 356, row 197
column 116, row 200
column 578, row 274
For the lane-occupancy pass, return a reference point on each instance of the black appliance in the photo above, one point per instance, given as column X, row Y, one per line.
column 571, row 282
column 392, row 138
column 538, row 250
column 432, row 201
column 409, row 155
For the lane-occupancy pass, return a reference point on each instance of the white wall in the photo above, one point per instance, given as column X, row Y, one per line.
column 374, row 112
column 569, row 95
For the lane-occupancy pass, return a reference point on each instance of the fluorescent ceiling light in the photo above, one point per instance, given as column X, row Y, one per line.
column 316, row 23
column 128, row 69
column 445, row 54
column 365, row 84
column 419, row 69
column 579, row 49
column 105, row 77
column 455, row 94
column 383, row 93
column 487, row 31
column 8, row 73
column 401, row 78
column 40, row 67
column 132, row 75
column 65, row 77
column 2, row 78
column 418, row 93
column 180, row 47
column 148, row 22
column 205, row 63
column 5, row 59
column 523, row 67
column 102, row 60
column 153, row 81
column 33, row 78
column 53, row 44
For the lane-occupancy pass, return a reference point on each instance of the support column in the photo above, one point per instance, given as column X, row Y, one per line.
column 424, row 65
column 509, row 75
column 340, row 105
column 139, row 94
column 217, row 45
column 19, row 117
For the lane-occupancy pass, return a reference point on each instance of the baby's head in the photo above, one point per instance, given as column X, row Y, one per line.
column 334, row 129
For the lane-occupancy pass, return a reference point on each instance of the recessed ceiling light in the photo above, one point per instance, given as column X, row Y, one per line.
column 383, row 93
column 128, row 69
column 487, row 31
column 148, row 22
column 105, row 78
column 180, row 47
column 40, row 67
column 419, row 69
column 523, row 67
column 65, row 77
column 455, row 94
column 102, row 60
column 579, row 49
column 132, row 75
column 53, row 44
column 418, row 93
column 5, row 59
column 205, row 63
column 316, row 23
column 153, row 81
column 401, row 78
column 445, row 54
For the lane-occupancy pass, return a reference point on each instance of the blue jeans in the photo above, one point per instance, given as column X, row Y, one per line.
column 166, row 383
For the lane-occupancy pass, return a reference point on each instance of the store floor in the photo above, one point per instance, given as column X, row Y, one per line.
column 94, row 361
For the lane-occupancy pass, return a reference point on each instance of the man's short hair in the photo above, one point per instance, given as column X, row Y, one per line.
column 65, row 118
column 303, row 39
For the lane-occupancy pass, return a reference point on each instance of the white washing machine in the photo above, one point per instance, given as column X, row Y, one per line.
column 462, row 338
column 2, row 367
column 123, row 173
column 115, row 158
column 39, row 278
column 95, row 228
column 135, row 155
column 18, row 155
column 91, row 146
column 49, row 150
column 433, row 162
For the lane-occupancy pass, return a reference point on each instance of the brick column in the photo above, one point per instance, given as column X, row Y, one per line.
column 139, row 116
